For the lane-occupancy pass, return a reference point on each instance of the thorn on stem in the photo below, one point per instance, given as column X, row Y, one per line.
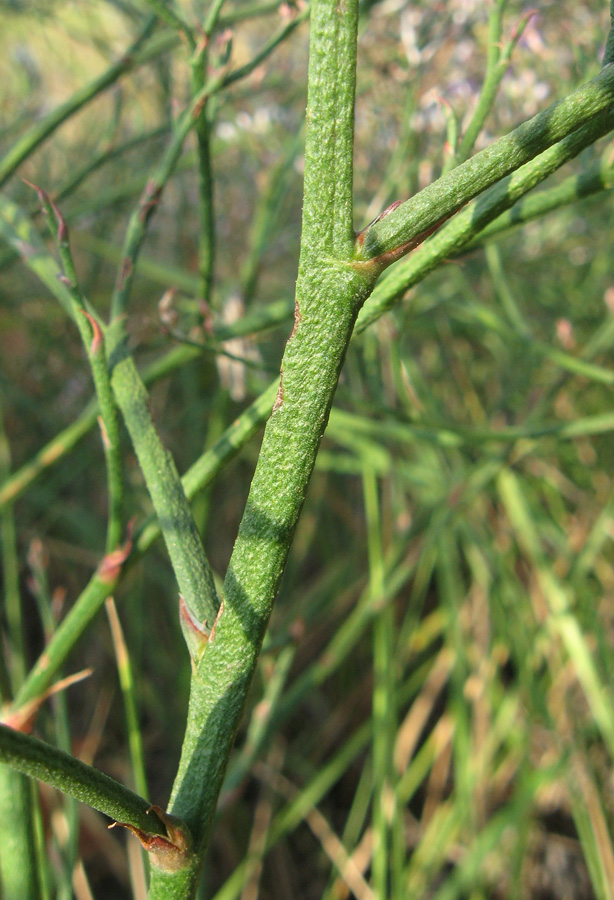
column 110, row 567
column 169, row 853
column 521, row 24
column 106, row 443
column 125, row 271
column 47, row 202
column 195, row 633
column 360, row 237
column 150, row 198
column 97, row 339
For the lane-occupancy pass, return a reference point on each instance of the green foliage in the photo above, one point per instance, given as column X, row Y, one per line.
column 397, row 607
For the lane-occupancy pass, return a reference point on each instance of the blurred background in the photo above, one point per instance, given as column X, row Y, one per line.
column 433, row 709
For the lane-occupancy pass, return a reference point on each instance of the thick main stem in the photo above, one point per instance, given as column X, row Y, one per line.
column 329, row 294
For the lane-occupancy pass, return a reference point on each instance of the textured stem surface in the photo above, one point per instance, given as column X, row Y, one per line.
column 328, row 295
column 449, row 193
column 32, row 757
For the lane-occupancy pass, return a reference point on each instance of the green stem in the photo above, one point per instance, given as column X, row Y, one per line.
column 384, row 708
column 206, row 241
column 10, row 582
column 213, row 14
column 490, row 84
column 126, row 682
column 17, row 230
column 597, row 178
column 20, row 860
column 32, row 757
column 328, row 296
column 20, row 866
column 168, row 15
column 204, row 129
column 94, row 345
column 181, row 536
column 394, row 234
column 498, row 62
column 470, row 221
column 150, row 198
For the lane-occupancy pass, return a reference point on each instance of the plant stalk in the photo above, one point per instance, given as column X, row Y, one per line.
column 329, row 294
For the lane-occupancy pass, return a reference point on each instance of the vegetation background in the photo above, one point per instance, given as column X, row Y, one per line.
column 417, row 661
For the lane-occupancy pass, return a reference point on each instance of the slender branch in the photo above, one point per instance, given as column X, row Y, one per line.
column 94, row 345
column 204, row 126
column 490, row 82
column 183, row 542
column 22, row 864
column 17, row 230
column 206, row 240
column 597, row 178
column 167, row 14
column 470, row 221
column 393, row 234
column 206, row 244
column 131, row 711
column 32, row 757
column 213, row 14
column 498, row 62
column 13, row 660
column 150, row 198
